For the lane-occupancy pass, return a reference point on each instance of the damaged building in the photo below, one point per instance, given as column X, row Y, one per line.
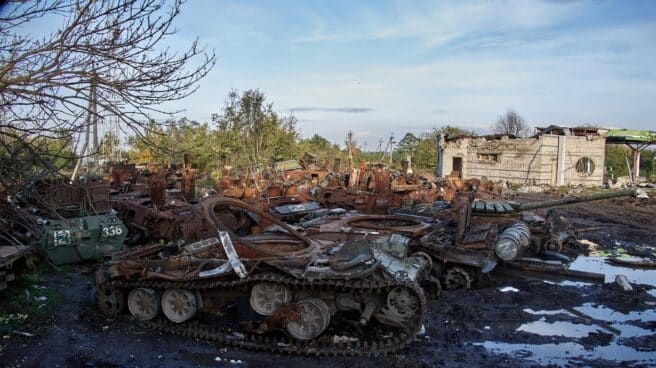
column 554, row 156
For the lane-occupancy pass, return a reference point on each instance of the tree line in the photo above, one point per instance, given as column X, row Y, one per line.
column 247, row 132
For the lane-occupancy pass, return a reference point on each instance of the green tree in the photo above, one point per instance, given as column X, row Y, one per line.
column 408, row 144
column 18, row 161
column 318, row 146
column 616, row 156
column 251, row 133
column 109, row 145
column 167, row 143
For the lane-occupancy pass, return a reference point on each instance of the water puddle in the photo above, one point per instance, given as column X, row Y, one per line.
column 568, row 283
column 547, row 312
column 571, row 351
column 604, row 313
column 558, row 328
column 600, row 313
column 562, row 353
column 599, row 265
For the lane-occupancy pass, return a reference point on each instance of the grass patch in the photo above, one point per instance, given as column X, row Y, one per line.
column 25, row 303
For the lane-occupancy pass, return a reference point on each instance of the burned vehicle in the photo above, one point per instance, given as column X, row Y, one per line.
column 373, row 188
column 157, row 214
column 486, row 233
column 292, row 294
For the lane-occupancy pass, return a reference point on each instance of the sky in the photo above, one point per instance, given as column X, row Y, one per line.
column 390, row 67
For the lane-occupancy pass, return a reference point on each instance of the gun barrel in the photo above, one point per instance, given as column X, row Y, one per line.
column 575, row 199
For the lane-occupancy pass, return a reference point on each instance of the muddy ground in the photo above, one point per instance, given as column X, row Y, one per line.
column 507, row 321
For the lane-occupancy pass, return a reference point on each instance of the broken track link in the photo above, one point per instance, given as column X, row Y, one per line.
column 282, row 343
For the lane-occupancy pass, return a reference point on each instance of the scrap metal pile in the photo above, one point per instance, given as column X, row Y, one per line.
column 302, row 260
column 310, row 261
column 371, row 188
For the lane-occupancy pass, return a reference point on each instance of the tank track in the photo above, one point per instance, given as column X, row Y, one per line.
column 283, row 343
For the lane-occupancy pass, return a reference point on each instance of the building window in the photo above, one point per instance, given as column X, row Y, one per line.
column 585, row 166
column 488, row 158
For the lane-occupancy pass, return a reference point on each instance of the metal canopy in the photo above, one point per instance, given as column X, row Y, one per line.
column 637, row 140
column 622, row 136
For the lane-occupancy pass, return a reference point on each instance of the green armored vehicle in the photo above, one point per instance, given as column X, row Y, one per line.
column 70, row 223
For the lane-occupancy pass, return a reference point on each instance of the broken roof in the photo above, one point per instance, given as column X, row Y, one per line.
column 562, row 130
column 489, row 137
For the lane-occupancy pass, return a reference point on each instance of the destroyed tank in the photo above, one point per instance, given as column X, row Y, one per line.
column 466, row 248
column 291, row 294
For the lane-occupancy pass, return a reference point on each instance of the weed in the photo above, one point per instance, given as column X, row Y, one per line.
column 25, row 301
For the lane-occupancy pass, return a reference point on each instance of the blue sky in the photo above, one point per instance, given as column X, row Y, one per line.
column 381, row 67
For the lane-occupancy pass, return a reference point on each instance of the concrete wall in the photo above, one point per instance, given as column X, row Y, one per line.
column 528, row 160
column 579, row 147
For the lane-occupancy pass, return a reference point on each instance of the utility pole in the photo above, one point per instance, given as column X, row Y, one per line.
column 349, row 145
column 89, row 120
column 390, row 147
column 380, row 145
column 391, row 144
column 94, row 112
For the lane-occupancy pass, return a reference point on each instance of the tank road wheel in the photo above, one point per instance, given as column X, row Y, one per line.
column 456, row 278
column 402, row 302
column 179, row 305
column 266, row 297
column 111, row 301
column 314, row 317
column 144, row 303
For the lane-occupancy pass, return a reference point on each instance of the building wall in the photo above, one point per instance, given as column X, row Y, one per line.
column 578, row 147
column 528, row 160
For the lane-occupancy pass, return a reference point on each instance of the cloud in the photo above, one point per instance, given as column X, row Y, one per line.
column 437, row 24
column 348, row 110
column 394, row 68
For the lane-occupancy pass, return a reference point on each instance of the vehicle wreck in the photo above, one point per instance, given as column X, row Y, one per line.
column 291, row 282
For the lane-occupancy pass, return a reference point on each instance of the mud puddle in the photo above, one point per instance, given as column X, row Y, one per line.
column 569, row 327
column 600, row 265
column 571, row 352
column 590, row 331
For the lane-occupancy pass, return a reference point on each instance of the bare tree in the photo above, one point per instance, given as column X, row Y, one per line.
column 511, row 123
column 107, row 58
